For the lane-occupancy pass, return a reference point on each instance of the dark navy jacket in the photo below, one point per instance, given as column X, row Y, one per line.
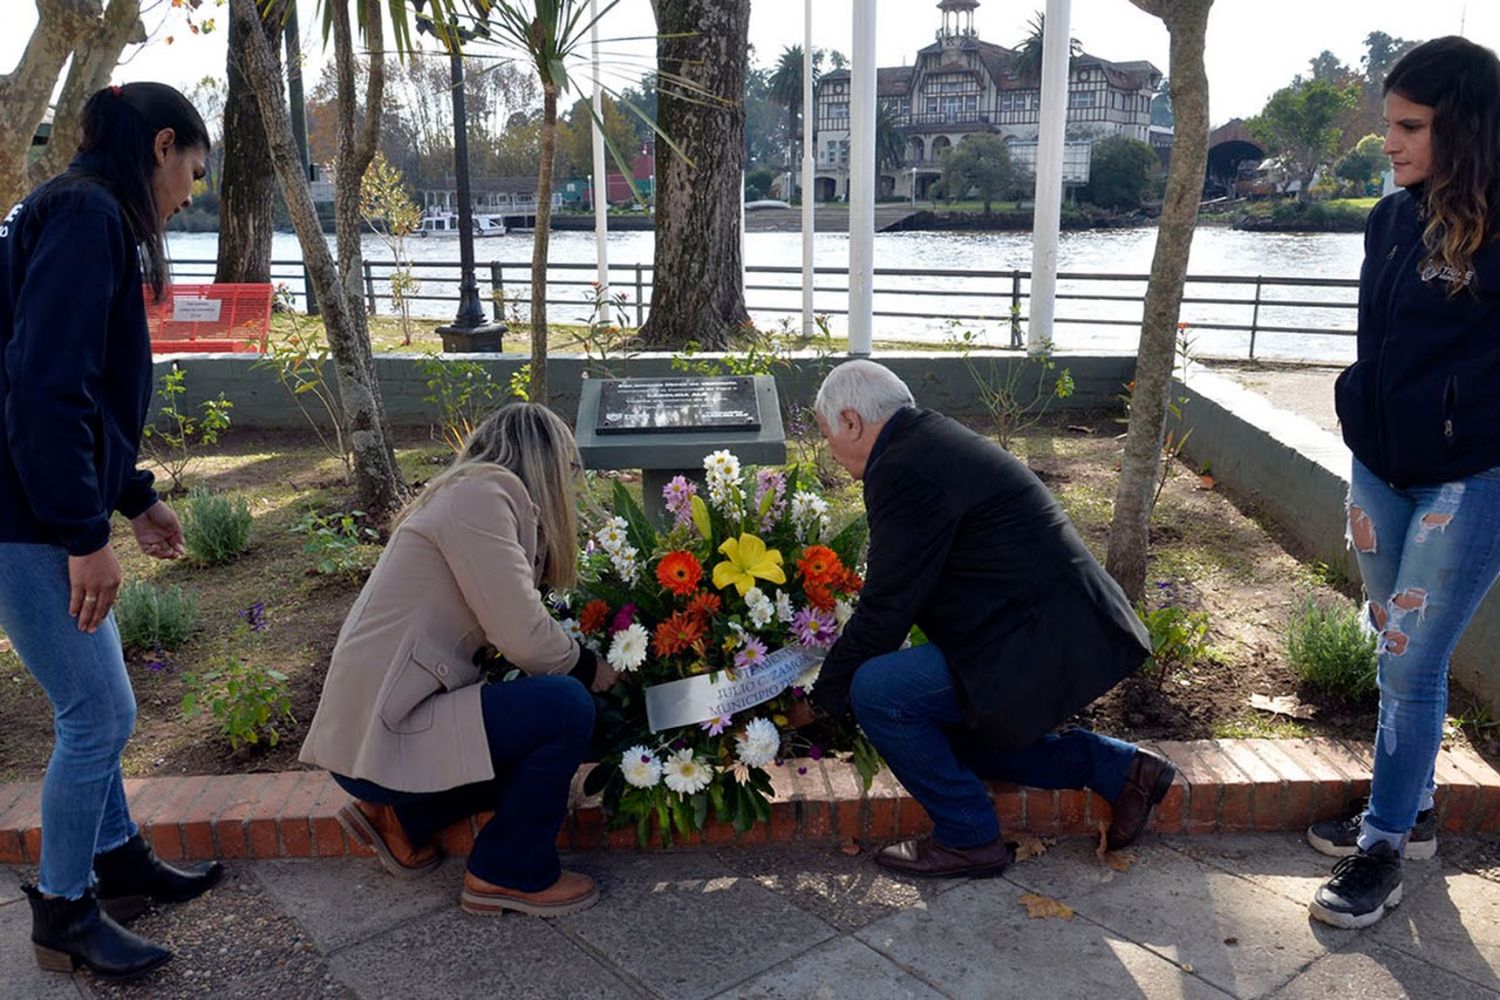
column 1421, row 405
column 967, row 543
column 75, row 367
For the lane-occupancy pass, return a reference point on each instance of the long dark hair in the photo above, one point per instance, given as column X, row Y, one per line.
column 120, row 125
column 1460, row 81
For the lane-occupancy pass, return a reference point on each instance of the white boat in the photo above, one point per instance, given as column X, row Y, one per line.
column 446, row 224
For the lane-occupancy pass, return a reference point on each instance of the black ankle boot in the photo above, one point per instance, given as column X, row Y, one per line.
column 67, row 933
column 131, row 876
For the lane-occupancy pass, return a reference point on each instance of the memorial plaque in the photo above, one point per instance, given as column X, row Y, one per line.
column 675, row 405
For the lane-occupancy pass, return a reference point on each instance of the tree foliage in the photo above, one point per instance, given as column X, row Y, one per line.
column 1364, row 163
column 980, row 164
column 1120, row 173
column 1300, row 123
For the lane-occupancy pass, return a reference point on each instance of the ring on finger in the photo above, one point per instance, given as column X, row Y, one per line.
column 90, row 599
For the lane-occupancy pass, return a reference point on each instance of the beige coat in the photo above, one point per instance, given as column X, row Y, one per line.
column 400, row 705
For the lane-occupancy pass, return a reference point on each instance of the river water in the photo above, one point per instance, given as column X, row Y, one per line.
column 1082, row 304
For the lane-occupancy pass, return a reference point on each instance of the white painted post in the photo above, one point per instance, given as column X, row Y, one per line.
column 808, row 112
column 601, row 204
column 1047, row 215
column 862, row 181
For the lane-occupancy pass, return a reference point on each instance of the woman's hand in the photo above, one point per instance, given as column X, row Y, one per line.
column 95, row 580
column 158, row 532
column 604, row 676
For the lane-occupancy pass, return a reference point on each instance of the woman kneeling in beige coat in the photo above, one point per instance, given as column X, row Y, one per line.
column 407, row 725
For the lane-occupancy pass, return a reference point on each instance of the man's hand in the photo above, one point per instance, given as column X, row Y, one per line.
column 158, row 532
column 801, row 714
column 604, row 676
column 95, row 580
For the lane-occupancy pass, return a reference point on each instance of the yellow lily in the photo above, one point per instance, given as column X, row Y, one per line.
column 746, row 560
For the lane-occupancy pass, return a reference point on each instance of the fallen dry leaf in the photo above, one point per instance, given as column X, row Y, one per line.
column 1029, row 845
column 1043, row 907
column 1283, row 704
column 1119, row 861
column 1205, row 482
column 850, row 846
column 1081, row 428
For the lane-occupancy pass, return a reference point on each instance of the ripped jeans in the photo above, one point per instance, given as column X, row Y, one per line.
column 1428, row 556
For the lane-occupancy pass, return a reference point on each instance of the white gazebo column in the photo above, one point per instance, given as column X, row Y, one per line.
column 807, row 170
column 1049, row 166
column 600, row 192
column 862, row 181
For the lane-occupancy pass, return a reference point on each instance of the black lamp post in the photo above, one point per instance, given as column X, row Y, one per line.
column 470, row 331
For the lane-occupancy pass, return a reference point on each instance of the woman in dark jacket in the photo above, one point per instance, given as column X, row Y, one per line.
column 75, row 386
column 1420, row 410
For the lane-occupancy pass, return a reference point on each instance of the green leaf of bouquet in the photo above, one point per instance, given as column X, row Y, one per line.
column 642, row 535
column 850, row 539
column 701, row 520
column 700, row 810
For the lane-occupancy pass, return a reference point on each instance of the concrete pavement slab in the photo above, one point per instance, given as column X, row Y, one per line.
column 841, row 969
column 1454, row 924
column 340, row 901
column 10, row 886
column 1280, row 862
column 848, row 892
column 452, row 954
column 1243, row 938
column 1371, row 971
column 979, row 942
column 18, row 971
column 687, row 924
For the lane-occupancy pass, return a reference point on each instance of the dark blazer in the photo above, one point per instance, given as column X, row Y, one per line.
column 967, row 544
column 75, row 366
column 1421, row 404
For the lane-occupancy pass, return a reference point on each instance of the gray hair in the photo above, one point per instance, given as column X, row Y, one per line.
column 869, row 389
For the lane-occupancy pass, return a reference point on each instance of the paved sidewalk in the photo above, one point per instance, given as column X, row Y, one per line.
column 1206, row 916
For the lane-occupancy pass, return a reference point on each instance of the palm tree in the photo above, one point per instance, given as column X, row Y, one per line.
column 786, row 89
column 1029, row 51
column 890, row 142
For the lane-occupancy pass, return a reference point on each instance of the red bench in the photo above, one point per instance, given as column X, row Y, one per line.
column 220, row 317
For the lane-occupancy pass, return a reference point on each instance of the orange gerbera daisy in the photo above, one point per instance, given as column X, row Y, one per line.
column 820, row 564
column 851, row 582
column 704, row 606
column 593, row 616
column 677, row 633
column 679, row 572
column 820, row 596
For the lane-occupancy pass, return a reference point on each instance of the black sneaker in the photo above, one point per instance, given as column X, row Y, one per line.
column 1339, row 838
column 1362, row 887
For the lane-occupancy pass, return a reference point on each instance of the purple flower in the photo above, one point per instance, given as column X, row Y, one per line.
column 802, row 770
column 624, row 618
column 798, row 692
column 814, row 628
column 679, row 745
column 717, row 724
column 751, row 654
column 773, row 482
column 678, row 497
column 255, row 615
column 815, row 752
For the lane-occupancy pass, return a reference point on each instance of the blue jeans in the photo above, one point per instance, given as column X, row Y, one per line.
column 538, row 729
column 907, row 705
column 1428, row 555
column 83, row 794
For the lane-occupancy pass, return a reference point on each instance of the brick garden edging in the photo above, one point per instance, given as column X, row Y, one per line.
column 1223, row 785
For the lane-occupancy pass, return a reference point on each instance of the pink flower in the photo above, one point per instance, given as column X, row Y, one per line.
column 716, row 725
column 751, row 654
column 678, row 495
column 814, row 628
column 623, row 619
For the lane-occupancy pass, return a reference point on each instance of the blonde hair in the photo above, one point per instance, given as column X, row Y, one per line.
column 535, row 444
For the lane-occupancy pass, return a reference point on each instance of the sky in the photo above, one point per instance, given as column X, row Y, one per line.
column 1254, row 46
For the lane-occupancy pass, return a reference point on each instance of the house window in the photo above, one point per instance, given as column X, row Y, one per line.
column 1081, row 99
column 932, row 105
column 1006, row 102
column 971, row 103
column 838, row 109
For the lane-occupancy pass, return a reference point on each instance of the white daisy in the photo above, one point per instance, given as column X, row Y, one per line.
column 809, row 678
column 686, row 774
column 570, row 626
column 722, row 463
column 611, row 537
column 640, row 768
column 758, row 746
column 809, row 514
column 627, row 650
column 842, row 612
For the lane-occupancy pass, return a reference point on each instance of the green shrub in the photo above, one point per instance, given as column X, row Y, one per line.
column 250, row 702
column 333, row 540
column 215, row 528
column 154, row 618
column 1330, row 648
column 1178, row 638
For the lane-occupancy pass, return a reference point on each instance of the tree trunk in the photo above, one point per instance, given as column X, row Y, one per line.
column 247, row 191
column 376, row 476
column 537, row 390
column 1129, row 536
column 698, row 292
column 94, row 59
column 25, row 91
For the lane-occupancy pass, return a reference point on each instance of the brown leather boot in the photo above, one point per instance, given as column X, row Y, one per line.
column 926, row 858
column 377, row 828
column 1150, row 776
column 573, row 892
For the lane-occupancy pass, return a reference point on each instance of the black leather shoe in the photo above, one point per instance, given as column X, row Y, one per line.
column 926, row 858
column 131, row 877
column 1150, row 776
column 67, row 933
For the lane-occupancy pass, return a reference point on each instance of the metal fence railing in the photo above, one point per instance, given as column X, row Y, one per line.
column 1239, row 311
